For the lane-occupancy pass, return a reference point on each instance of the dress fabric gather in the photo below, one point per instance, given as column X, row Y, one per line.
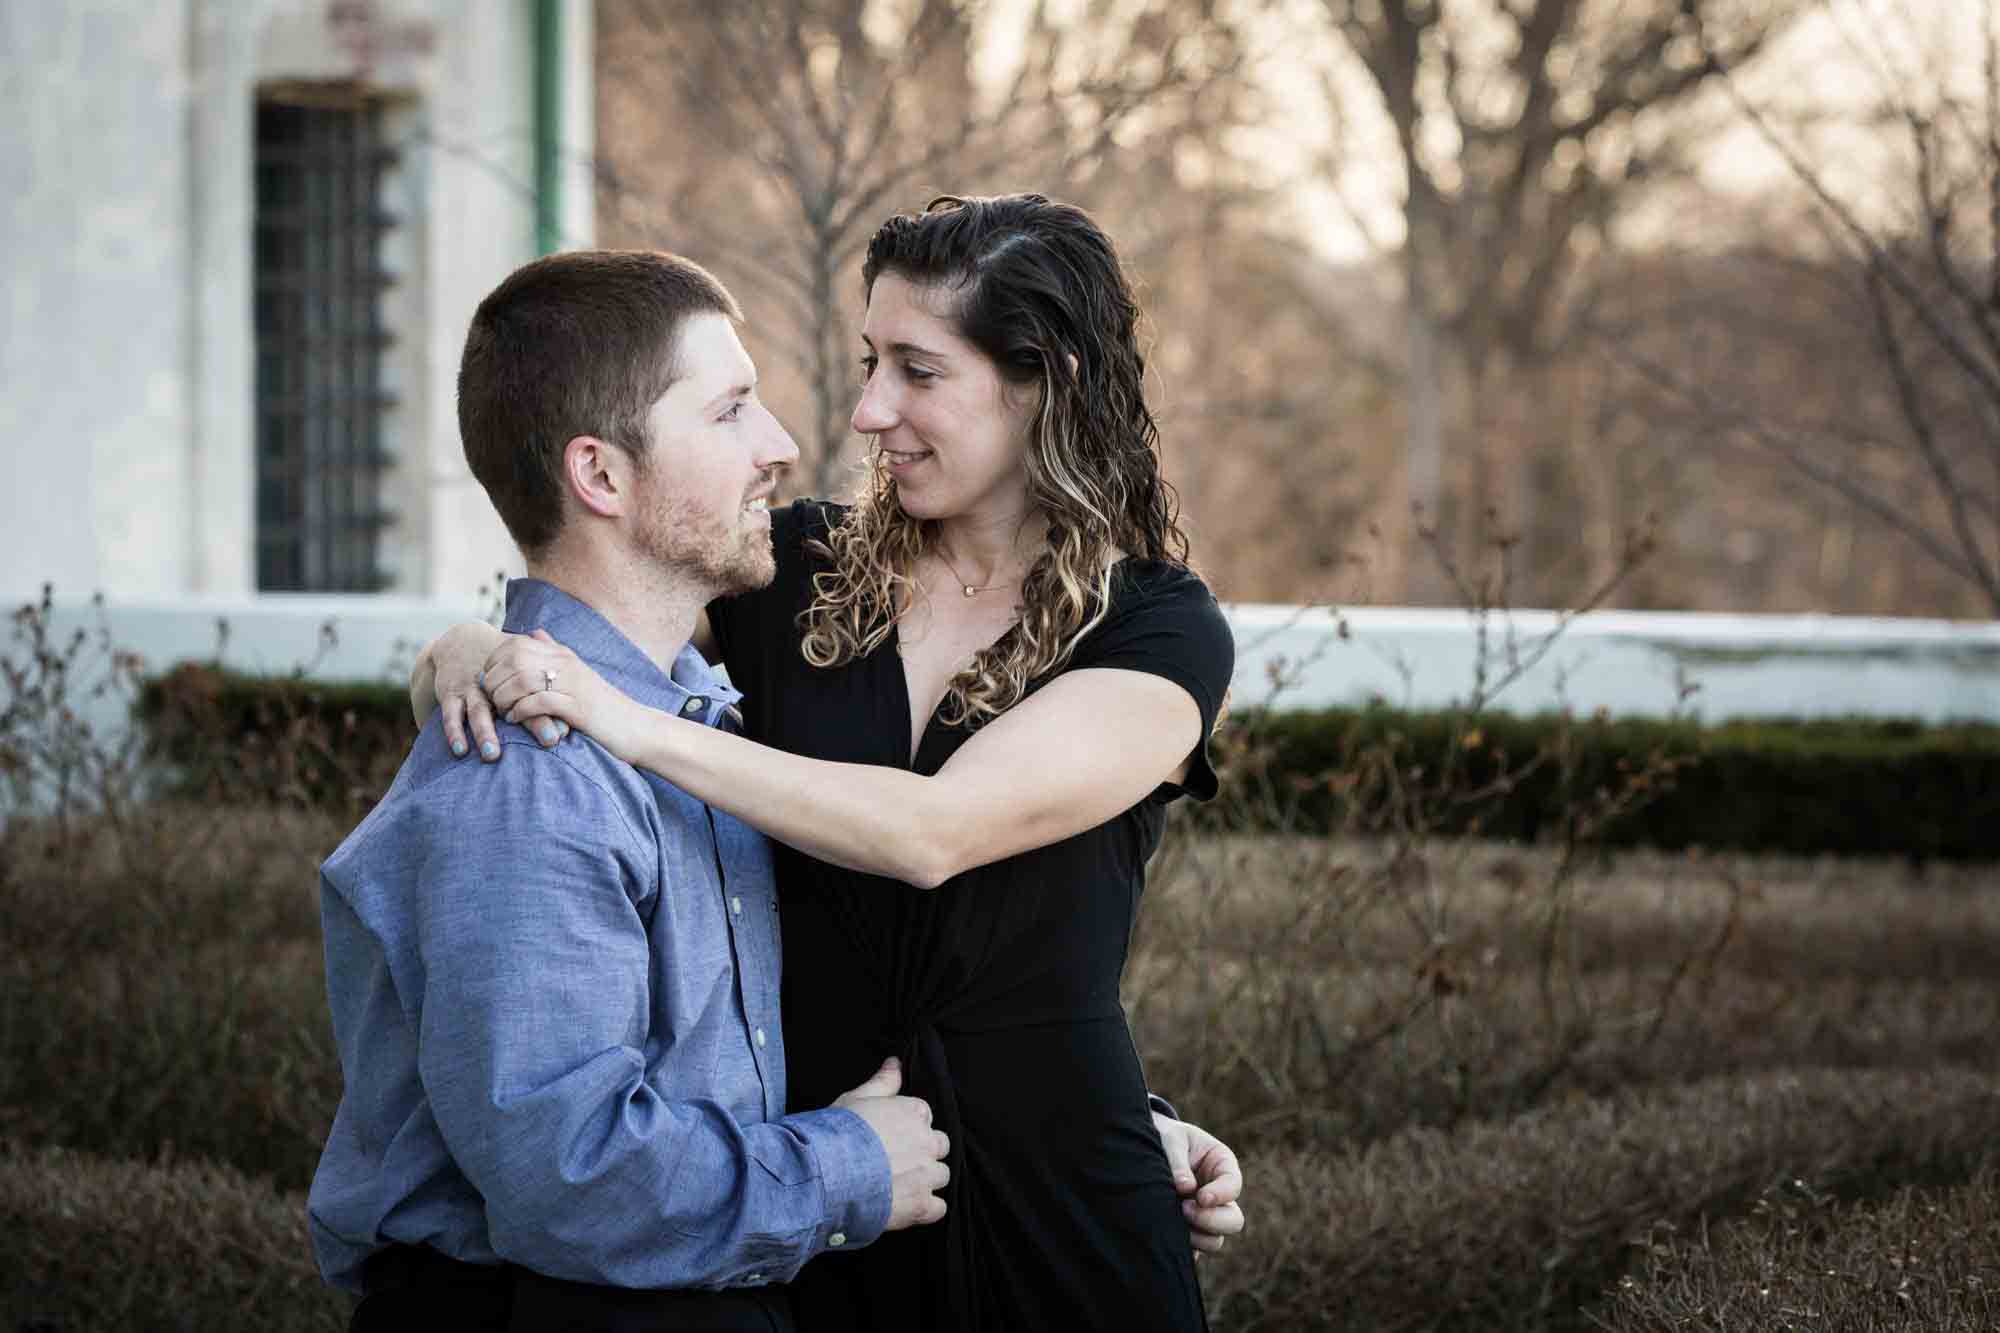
column 999, row 989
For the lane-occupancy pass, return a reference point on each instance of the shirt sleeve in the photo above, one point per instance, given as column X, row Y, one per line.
column 1165, row 622
column 534, row 1031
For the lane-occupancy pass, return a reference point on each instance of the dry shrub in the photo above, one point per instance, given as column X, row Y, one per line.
column 88, row 1244
column 1516, row 1224
column 1327, row 990
column 163, row 988
column 1921, row 1259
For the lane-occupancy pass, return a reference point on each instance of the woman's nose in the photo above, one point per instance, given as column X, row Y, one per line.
column 874, row 413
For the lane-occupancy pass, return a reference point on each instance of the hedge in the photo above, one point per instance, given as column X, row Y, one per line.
column 1849, row 787
column 88, row 1244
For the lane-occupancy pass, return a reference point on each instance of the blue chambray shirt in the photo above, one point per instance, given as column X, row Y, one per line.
column 554, row 984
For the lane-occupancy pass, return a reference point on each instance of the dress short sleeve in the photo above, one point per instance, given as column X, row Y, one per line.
column 1164, row 621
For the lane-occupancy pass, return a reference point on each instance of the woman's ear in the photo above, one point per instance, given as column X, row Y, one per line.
column 598, row 474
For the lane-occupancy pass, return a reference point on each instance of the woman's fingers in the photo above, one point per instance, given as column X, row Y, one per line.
column 485, row 734
column 452, row 706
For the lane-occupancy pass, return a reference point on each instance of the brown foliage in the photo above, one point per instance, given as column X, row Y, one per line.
column 1514, row 1224
column 1923, row 1260
column 95, row 1246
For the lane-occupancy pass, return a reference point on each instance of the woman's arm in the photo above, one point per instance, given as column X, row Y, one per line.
column 1088, row 745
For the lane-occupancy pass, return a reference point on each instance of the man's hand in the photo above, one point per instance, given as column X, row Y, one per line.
column 1209, row 1180
column 916, row 1151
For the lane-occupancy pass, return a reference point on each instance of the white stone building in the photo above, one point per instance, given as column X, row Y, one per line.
column 241, row 243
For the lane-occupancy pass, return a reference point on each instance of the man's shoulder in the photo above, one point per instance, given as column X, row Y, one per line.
column 436, row 799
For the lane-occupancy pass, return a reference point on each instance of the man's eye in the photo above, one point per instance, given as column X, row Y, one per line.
column 867, row 368
column 919, row 374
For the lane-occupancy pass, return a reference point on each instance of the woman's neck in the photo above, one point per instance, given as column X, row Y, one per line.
column 989, row 550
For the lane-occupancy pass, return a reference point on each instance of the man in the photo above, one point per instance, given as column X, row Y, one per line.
column 554, row 982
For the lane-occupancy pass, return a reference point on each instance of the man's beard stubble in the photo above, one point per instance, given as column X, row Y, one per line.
column 739, row 560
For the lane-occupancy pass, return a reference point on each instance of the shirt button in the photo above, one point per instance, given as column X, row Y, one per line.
column 694, row 705
column 736, row 905
column 837, row 1239
column 758, row 1037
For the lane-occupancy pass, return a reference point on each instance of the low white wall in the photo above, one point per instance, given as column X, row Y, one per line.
column 1630, row 664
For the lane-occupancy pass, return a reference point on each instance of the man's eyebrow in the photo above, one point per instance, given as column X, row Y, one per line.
column 743, row 390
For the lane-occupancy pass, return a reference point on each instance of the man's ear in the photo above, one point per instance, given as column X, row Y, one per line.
column 598, row 474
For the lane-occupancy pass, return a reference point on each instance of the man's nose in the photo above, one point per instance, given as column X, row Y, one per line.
column 779, row 448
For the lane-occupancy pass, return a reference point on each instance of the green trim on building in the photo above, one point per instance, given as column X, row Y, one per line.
column 548, row 125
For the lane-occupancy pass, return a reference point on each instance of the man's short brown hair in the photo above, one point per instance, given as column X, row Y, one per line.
column 577, row 343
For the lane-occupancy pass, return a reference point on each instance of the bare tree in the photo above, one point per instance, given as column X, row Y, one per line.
column 1914, row 442
column 1524, row 128
column 770, row 137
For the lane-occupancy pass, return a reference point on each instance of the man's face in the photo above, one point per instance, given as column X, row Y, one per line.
column 704, row 485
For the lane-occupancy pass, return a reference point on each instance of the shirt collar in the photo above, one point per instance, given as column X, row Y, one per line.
column 534, row 604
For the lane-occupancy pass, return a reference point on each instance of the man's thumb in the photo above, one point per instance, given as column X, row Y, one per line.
column 884, row 1082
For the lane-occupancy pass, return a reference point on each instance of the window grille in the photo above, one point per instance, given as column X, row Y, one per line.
column 319, row 345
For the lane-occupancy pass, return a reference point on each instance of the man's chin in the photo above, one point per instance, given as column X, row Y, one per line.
column 755, row 571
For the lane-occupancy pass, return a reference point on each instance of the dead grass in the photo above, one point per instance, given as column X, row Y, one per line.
column 1515, row 1224
column 88, row 1245
column 1289, row 987
column 1922, row 1260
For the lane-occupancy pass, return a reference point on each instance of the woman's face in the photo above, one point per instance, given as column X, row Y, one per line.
column 952, row 433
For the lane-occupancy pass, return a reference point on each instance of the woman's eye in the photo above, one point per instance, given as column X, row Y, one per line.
column 734, row 411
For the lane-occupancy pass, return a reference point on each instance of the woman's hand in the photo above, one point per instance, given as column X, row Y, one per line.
column 532, row 678
column 452, row 662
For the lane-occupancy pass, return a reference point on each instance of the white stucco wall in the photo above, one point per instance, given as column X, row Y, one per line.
column 126, row 356
column 1631, row 664
column 95, row 399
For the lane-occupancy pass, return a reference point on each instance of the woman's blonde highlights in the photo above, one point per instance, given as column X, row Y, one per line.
column 1042, row 294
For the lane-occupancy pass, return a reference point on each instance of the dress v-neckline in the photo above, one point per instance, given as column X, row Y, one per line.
column 913, row 739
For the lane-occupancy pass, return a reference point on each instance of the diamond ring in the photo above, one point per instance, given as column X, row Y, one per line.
column 548, row 679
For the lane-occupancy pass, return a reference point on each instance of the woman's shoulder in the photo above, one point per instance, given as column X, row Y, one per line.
column 1138, row 582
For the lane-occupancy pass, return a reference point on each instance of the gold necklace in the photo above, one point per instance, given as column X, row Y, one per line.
column 968, row 588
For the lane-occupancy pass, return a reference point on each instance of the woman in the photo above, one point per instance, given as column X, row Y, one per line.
column 984, row 682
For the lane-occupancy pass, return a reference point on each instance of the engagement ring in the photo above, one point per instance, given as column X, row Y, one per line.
column 548, row 679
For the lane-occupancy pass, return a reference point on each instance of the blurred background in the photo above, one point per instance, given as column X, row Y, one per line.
column 1541, row 277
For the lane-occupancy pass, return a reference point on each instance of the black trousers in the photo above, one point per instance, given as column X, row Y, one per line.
column 411, row 1288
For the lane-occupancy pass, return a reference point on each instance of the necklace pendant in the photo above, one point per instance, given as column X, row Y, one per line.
column 969, row 590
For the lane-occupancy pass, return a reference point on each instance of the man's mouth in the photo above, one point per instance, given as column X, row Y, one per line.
column 758, row 506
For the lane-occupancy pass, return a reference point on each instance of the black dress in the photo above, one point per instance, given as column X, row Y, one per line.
column 999, row 990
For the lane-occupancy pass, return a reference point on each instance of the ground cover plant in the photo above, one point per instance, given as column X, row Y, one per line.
column 1799, row 1261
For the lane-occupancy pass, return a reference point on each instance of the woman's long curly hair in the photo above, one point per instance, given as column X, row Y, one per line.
column 1039, row 290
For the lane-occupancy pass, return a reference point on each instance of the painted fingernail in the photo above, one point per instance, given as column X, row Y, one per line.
column 549, row 735
column 563, row 728
column 458, row 748
column 490, row 750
